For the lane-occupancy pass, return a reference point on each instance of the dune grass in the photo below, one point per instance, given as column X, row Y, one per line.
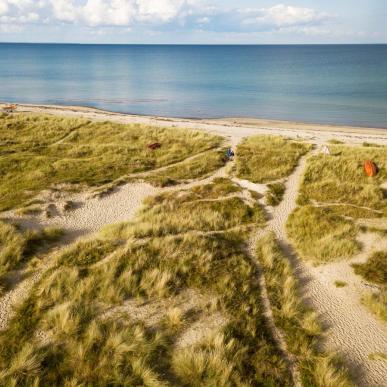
column 298, row 324
column 375, row 269
column 198, row 167
column 334, row 194
column 39, row 151
column 16, row 247
column 201, row 247
column 340, row 284
column 262, row 159
column 275, row 193
column 340, row 178
column 376, row 302
column 322, row 236
column 335, row 142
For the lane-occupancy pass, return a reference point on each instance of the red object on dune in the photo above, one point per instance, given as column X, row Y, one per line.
column 154, row 146
column 10, row 108
column 370, row 168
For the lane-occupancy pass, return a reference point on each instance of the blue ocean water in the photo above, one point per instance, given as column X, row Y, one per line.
column 343, row 84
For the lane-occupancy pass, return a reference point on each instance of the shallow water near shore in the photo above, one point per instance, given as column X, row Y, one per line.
column 341, row 84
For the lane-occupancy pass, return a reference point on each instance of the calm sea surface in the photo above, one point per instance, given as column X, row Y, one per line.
column 322, row 84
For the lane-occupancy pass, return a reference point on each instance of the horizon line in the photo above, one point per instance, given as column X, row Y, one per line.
column 201, row 44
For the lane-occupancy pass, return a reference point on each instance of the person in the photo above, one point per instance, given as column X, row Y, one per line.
column 230, row 154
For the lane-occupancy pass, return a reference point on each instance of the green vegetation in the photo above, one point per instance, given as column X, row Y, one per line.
column 320, row 235
column 378, row 356
column 200, row 166
column 375, row 269
column 17, row 247
column 341, row 179
column 372, row 145
column 335, row 142
column 39, row 151
column 299, row 325
column 335, row 192
column 275, row 193
column 266, row 158
column 187, row 241
column 376, row 302
column 340, row 284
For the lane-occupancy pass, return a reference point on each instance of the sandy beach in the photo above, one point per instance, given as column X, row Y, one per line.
column 232, row 128
column 352, row 331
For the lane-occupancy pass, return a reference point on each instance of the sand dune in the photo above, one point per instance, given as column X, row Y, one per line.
column 352, row 330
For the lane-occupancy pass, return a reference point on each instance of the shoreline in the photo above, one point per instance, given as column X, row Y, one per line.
column 233, row 128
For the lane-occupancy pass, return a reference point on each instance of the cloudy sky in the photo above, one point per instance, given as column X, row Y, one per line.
column 194, row 21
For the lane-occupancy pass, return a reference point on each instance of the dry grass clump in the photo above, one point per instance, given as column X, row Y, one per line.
column 340, row 178
column 299, row 325
column 85, row 253
column 340, row 284
column 378, row 356
column 83, row 348
column 372, row 145
column 199, row 167
column 354, row 212
column 335, row 142
column 320, row 235
column 40, row 150
column 266, row 158
column 375, row 269
column 275, row 193
column 16, row 246
column 376, row 302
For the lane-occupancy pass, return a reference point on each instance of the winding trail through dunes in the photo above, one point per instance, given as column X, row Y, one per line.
column 352, row 330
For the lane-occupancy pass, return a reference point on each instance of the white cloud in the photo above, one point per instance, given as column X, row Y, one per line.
column 286, row 16
column 120, row 12
column 3, row 7
column 157, row 15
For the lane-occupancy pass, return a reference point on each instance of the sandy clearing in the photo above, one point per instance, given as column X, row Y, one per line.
column 88, row 218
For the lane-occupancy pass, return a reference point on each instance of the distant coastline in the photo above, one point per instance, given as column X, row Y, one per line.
column 233, row 127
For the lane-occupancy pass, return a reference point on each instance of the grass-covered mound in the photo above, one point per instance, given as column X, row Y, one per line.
column 375, row 269
column 322, row 236
column 334, row 194
column 17, row 246
column 38, row 151
column 339, row 178
column 262, row 159
column 275, row 193
column 79, row 325
column 200, row 166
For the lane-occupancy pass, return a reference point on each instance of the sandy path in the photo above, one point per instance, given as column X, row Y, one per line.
column 352, row 331
column 89, row 216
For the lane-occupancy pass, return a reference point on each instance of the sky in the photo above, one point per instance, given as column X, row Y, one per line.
column 194, row 21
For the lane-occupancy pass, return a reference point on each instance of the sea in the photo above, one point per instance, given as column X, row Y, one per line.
column 332, row 84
